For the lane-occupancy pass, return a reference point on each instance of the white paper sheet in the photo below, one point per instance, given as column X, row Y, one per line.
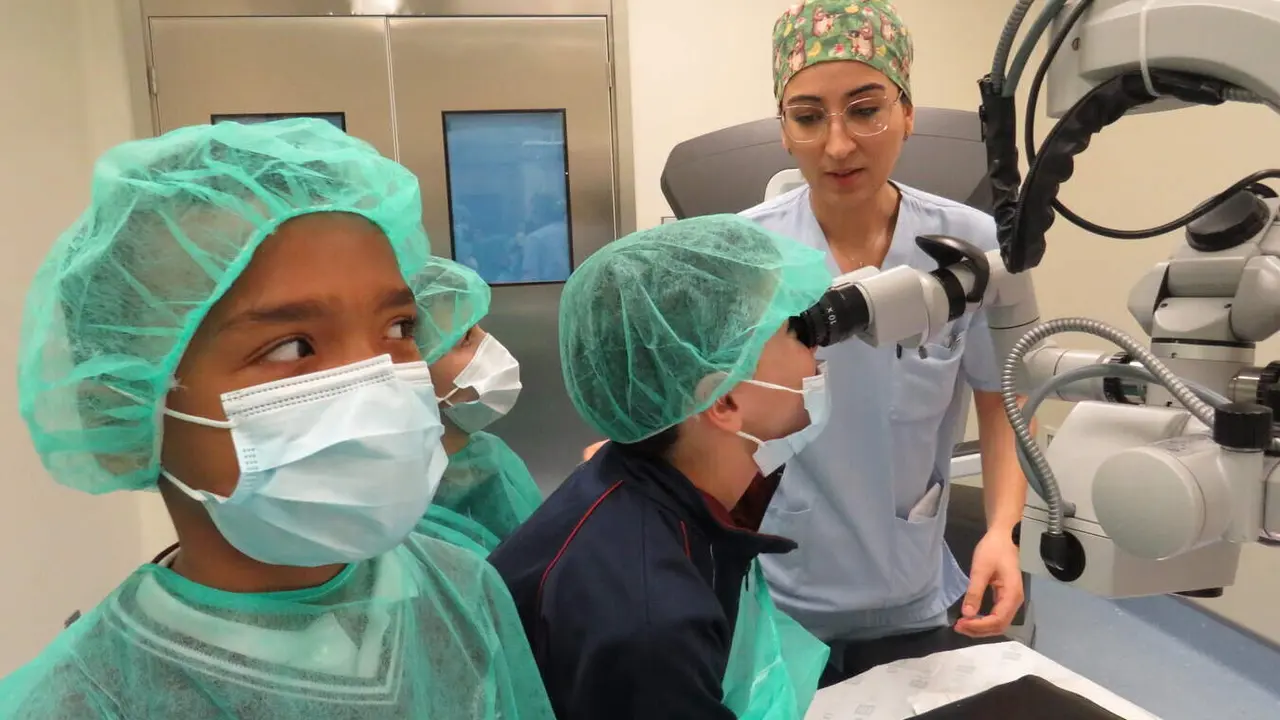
column 908, row 688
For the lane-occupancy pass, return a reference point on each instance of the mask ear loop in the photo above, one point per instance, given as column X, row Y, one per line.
column 193, row 419
column 445, row 400
column 197, row 420
column 771, row 386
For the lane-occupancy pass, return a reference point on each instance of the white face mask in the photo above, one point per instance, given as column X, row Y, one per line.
column 495, row 376
column 773, row 454
column 335, row 467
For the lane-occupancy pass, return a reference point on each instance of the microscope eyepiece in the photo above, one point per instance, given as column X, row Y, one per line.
column 839, row 314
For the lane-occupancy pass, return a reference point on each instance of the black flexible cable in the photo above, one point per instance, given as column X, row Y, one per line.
column 1033, row 97
column 1251, row 182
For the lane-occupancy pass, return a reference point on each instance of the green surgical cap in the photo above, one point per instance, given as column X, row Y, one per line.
column 866, row 31
column 451, row 298
column 171, row 224
column 657, row 326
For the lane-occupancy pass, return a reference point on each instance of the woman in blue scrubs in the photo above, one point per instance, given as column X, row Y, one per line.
column 866, row 501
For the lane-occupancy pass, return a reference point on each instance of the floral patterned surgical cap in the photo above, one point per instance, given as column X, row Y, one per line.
column 866, row 31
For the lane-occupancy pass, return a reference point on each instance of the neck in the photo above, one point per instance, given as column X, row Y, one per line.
column 858, row 227
column 723, row 472
column 205, row 557
column 454, row 439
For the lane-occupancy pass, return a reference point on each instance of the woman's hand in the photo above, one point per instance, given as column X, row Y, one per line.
column 995, row 564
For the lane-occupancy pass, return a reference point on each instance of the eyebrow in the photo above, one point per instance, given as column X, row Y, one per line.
column 305, row 310
column 851, row 94
column 285, row 313
column 397, row 298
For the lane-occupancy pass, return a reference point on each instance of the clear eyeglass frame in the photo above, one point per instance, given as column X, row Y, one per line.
column 864, row 117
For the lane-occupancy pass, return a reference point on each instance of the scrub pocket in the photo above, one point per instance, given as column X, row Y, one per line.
column 923, row 386
column 917, row 550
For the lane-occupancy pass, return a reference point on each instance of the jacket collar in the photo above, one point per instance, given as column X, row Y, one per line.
column 666, row 485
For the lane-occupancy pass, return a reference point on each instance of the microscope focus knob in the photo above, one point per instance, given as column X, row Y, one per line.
column 1242, row 426
column 1164, row 499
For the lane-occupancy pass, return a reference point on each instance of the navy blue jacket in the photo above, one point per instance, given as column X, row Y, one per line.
column 627, row 580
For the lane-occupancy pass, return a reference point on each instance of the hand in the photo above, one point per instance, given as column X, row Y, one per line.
column 995, row 564
column 591, row 450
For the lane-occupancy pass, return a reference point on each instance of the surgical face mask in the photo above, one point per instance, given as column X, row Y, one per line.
column 335, row 467
column 495, row 376
column 773, row 454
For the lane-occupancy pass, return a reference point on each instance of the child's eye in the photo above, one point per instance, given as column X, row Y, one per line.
column 290, row 351
column 403, row 330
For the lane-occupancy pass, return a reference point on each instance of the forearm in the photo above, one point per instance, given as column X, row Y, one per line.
column 1003, row 484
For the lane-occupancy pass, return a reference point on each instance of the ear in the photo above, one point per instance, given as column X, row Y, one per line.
column 786, row 141
column 908, row 118
column 724, row 414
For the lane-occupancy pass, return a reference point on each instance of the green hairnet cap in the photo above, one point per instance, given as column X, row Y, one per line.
column 866, row 31
column 657, row 326
column 172, row 222
column 451, row 299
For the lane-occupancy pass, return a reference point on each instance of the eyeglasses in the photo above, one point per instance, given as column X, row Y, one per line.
column 864, row 117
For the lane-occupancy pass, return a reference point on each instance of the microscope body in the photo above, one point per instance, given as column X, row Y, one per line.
column 1163, row 503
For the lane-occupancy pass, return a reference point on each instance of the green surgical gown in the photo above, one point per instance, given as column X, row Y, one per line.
column 425, row 631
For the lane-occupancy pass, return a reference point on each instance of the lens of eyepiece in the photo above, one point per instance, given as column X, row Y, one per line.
column 839, row 314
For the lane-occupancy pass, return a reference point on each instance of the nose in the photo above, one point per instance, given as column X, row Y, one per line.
column 840, row 144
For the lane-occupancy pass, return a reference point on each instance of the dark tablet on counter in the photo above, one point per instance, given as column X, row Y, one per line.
column 1027, row 698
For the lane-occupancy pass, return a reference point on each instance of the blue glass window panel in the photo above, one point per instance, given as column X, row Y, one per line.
column 509, row 195
column 339, row 120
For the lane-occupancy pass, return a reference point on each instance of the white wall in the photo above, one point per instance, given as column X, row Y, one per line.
column 59, row 550
column 63, row 77
column 695, row 72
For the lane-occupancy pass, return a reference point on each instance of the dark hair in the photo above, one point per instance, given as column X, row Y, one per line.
column 657, row 446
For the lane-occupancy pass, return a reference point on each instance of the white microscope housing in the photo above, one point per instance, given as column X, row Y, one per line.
column 1152, row 490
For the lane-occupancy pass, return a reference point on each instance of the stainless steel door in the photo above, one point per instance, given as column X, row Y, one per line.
column 207, row 67
column 507, row 123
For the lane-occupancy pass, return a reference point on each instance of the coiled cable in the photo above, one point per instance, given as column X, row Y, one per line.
column 1201, row 410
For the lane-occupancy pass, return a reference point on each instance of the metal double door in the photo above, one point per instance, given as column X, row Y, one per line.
column 506, row 121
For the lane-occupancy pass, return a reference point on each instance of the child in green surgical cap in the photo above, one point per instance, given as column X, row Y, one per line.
column 230, row 323
column 486, row 491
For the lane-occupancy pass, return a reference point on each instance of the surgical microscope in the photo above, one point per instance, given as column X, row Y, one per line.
column 1167, row 463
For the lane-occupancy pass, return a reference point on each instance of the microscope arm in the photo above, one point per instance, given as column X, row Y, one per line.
column 1012, row 311
column 1221, row 39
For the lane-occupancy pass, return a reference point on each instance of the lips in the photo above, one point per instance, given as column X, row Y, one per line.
column 844, row 173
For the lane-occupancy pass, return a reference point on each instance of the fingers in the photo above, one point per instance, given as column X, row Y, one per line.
column 999, row 620
column 1007, row 604
column 977, row 587
column 983, row 627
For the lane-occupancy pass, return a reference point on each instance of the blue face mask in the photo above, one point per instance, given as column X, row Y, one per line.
column 335, row 467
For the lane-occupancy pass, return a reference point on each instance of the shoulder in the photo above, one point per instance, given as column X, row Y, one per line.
column 72, row 677
column 462, row 568
column 940, row 215
column 486, row 442
column 782, row 214
column 67, row 688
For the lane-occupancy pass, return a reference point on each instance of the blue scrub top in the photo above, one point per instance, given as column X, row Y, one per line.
column 867, row 567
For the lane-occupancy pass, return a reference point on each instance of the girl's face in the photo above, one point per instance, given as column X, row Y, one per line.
column 445, row 370
column 323, row 291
